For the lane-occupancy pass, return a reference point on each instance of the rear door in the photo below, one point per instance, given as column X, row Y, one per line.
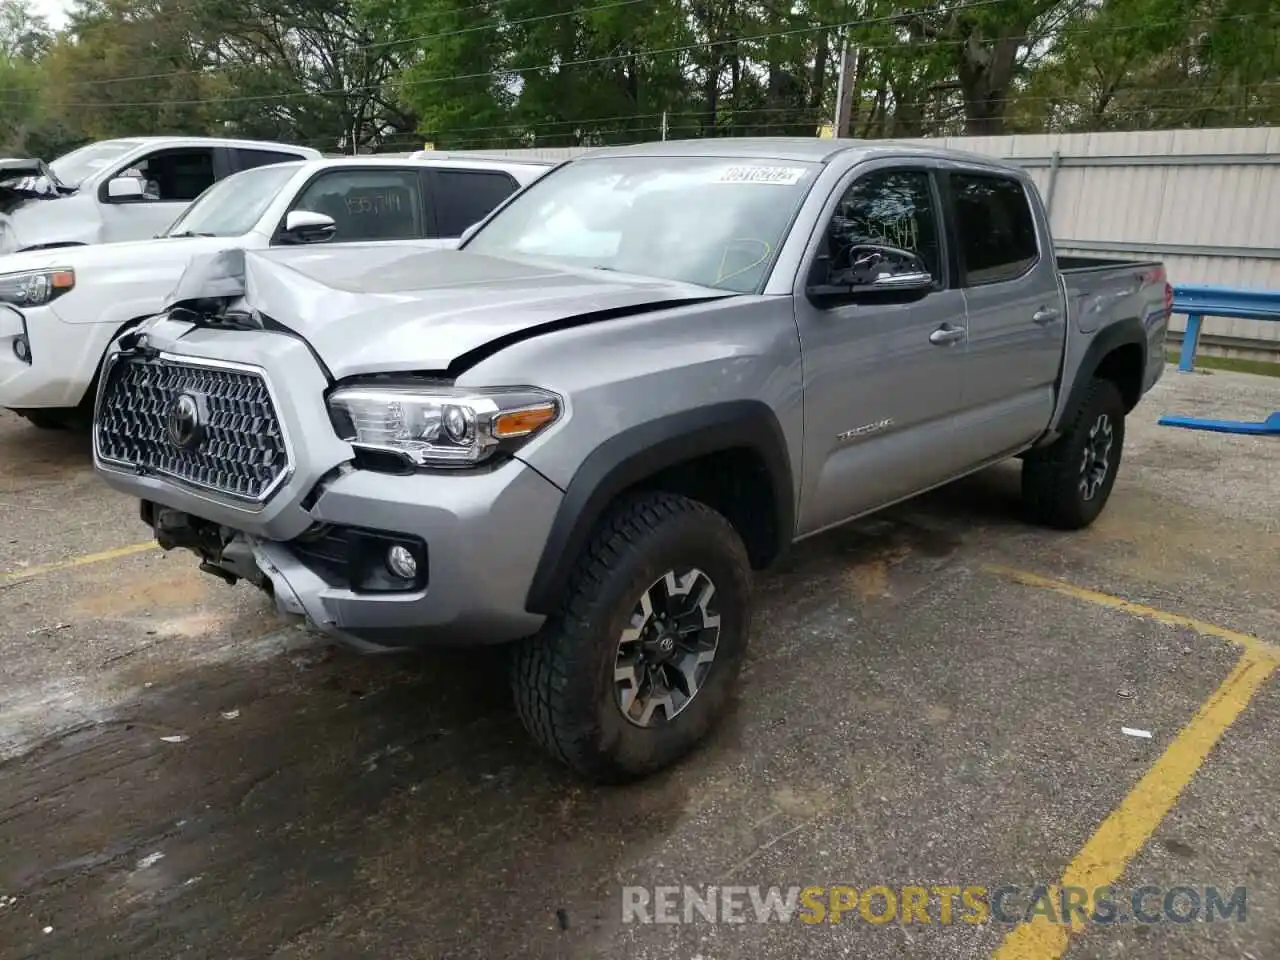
column 463, row 196
column 1016, row 318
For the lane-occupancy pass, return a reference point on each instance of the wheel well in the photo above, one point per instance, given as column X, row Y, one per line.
column 1123, row 366
column 736, row 484
column 91, row 391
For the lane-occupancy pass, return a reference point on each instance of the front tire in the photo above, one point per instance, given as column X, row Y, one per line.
column 1067, row 484
column 638, row 667
column 52, row 419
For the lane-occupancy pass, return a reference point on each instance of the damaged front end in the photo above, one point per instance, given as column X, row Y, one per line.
column 327, row 559
column 223, row 552
column 25, row 181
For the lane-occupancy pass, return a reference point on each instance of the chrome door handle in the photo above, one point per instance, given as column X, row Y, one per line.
column 1045, row 315
column 946, row 334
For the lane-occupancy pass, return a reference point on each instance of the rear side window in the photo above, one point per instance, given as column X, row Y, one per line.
column 368, row 204
column 464, row 197
column 248, row 159
column 995, row 228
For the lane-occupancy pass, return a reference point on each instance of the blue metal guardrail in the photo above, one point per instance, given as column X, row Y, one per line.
column 1197, row 302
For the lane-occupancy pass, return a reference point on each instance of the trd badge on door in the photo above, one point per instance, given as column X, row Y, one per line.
column 865, row 429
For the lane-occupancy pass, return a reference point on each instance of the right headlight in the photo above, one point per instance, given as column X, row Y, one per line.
column 34, row 288
column 441, row 426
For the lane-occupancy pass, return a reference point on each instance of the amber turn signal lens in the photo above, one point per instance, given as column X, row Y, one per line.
column 521, row 423
column 62, row 279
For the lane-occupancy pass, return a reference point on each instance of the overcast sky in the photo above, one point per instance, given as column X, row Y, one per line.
column 55, row 11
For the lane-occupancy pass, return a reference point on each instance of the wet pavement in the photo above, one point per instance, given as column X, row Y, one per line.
column 184, row 775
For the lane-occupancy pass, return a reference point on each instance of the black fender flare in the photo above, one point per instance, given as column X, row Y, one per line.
column 1123, row 333
column 639, row 452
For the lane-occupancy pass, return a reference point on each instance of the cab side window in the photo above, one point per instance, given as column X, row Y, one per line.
column 465, row 197
column 882, row 216
column 367, row 204
column 995, row 228
column 174, row 175
column 248, row 159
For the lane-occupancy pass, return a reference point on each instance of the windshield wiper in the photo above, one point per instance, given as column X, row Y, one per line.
column 190, row 233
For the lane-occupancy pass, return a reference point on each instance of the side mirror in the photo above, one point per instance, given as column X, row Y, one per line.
column 307, row 226
column 124, row 188
column 874, row 272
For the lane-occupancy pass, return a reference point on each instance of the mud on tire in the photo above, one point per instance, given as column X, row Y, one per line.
column 1067, row 484
column 574, row 679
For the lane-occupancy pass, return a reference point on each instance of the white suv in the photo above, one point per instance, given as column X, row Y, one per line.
column 114, row 190
column 61, row 308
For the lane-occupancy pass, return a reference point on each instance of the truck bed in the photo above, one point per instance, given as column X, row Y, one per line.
column 1069, row 263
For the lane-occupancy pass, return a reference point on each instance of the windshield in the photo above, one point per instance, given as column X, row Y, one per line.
column 75, row 167
column 232, row 207
column 710, row 221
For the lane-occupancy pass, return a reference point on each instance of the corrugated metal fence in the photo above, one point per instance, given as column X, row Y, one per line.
column 1206, row 202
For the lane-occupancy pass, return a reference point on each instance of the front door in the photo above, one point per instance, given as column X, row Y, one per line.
column 171, row 179
column 882, row 376
column 368, row 203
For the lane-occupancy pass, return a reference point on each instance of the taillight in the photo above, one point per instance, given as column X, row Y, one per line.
column 1157, row 275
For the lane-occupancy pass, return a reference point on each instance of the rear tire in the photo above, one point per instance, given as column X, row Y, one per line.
column 604, row 686
column 1067, row 484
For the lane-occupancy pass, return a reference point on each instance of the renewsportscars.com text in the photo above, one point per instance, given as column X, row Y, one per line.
column 935, row 904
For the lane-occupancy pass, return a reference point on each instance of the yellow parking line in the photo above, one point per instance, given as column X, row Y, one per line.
column 1138, row 609
column 28, row 572
column 1103, row 858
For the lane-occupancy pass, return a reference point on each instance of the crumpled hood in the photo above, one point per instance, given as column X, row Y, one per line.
column 383, row 307
column 29, row 218
column 24, row 181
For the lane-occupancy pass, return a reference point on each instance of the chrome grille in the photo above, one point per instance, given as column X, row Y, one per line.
column 233, row 444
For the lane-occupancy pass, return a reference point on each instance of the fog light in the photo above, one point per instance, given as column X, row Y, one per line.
column 22, row 349
column 400, row 561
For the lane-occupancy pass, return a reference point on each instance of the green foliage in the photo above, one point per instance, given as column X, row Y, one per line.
column 345, row 75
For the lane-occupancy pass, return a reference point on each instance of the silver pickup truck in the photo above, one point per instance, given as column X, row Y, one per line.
column 637, row 381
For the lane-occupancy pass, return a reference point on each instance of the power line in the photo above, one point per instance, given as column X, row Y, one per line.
column 788, row 115
column 494, row 143
column 581, row 11
column 510, row 71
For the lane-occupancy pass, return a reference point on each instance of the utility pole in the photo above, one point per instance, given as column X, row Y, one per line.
column 664, row 126
column 844, row 56
column 844, row 90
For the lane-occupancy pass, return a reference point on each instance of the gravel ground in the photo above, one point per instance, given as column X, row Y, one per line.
column 182, row 775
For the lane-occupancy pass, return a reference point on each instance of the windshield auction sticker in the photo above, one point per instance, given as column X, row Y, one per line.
column 781, row 176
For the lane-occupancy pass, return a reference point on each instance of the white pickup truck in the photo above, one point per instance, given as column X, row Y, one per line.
column 61, row 308
column 119, row 190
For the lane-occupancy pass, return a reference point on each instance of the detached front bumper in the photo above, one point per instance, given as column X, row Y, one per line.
column 477, row 541
column 481, row 535
column 318, row 542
